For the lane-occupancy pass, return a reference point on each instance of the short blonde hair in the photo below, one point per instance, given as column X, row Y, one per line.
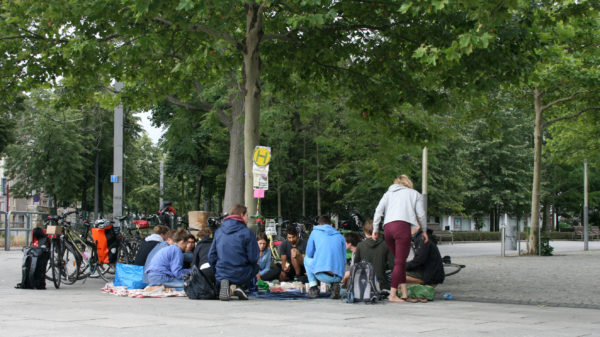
column 403, row 179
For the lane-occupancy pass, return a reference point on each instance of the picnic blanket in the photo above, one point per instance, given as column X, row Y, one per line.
column 285, row 295
column 148, row 292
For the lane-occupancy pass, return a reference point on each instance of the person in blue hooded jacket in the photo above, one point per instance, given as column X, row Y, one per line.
column 233, row 254
column 325, row 258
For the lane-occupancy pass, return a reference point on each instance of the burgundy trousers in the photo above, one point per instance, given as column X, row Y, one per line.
column 397, row 238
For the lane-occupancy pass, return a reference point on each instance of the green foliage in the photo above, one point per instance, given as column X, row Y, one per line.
column 545, row 249
column 49, row 155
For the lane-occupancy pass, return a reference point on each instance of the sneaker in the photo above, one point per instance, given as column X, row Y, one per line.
column 313, row 292
column 224, row 291
column 335, row 291
column 240, row 294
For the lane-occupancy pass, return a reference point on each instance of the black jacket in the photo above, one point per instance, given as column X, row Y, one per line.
column 379, row 255
column 428, row 259
column 201, row 251
column 143, row 251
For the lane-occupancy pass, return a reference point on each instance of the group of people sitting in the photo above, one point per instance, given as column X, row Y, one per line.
column 238, row 258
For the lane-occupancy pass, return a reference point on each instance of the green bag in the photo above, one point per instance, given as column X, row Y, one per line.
column 419, row 291
column 262, row 286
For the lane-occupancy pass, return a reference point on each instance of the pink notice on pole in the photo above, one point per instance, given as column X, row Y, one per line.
column 259, row 193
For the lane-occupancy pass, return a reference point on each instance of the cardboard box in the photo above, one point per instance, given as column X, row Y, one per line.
column 198, row 220
column 54, row 230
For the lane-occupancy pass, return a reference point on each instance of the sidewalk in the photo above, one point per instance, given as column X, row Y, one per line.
column 481, row 293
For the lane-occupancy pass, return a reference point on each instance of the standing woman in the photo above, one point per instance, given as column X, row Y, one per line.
column 404, row 216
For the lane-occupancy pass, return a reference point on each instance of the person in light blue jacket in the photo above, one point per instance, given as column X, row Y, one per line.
column 325, row 258
column 166, row 268
column 264, row 255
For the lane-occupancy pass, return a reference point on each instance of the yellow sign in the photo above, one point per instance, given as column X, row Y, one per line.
column 262, row 155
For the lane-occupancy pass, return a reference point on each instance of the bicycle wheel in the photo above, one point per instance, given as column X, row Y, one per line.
column 452, row 268
column 71, row 263
column 124, row 254
column 55, row 262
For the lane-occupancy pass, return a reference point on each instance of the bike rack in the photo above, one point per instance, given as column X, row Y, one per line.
column 27, row 228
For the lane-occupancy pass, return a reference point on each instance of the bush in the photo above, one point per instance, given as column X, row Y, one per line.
column 546, row 249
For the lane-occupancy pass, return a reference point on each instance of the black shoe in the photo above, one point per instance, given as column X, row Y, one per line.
column 240, row 294
column 335, row 291
column 313, row 292
column 224, row 291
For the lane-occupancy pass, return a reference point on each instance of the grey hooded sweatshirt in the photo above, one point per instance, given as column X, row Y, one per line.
column 400, row 203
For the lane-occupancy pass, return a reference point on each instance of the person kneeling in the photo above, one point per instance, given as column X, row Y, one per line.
column 233, row 254
column 325, row 258
column 426, row 267
column 166, row 267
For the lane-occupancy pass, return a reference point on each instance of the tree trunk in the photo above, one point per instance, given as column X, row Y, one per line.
column 234, row 181
column 83, row 198
column 318, row 183
column 545, row 215
column 97, row 185
column 277, row 174
column 303, row 175
column 198, row 192
column 537, row 164
column 252, row 89
column 183, row 207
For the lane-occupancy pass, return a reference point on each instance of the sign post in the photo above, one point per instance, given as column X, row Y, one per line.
column 260, row 171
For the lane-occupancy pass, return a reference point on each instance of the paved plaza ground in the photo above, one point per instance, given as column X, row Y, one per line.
column 497, row 296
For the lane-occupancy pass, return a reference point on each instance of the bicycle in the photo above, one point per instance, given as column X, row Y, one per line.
column 80, row 256
column 451, row 268
column 55, row 264
column 130, row 234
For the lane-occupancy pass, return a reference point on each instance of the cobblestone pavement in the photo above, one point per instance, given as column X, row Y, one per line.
column 484, row 292
column 568, row 279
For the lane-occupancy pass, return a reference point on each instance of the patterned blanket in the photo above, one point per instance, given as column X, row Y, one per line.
column 150, row 291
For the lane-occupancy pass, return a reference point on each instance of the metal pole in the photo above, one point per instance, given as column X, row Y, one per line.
column 118, row 157
column 502, row 239
column 6, row 226
column 585, row 206
column 424, row 182
column 6, row 231
column 518, row 237
column 27, row 226
column 162, row 183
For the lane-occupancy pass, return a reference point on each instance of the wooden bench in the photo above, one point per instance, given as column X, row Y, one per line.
column 593, row 231
column 438, row 232
column 577, row 230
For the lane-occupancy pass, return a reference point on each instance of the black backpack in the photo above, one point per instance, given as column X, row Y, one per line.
column 35, row 261
column 200, row 284
column 362, row 285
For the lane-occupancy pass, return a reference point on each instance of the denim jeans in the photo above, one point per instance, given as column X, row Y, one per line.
column 175, row 283
column 321, row 276
column 167, row 281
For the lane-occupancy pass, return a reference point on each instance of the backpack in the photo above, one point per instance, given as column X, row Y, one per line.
column 106, row 242
column 200, row 284
column 35, row 261
column 362, row 285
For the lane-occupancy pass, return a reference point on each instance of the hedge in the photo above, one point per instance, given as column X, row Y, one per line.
column 495, row 236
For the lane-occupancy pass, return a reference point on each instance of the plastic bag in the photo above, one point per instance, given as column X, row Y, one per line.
column 421, row 291
column 130, row 276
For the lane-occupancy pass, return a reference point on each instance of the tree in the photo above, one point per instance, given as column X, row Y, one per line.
column 393, row 45
column 496, row 152
column 563, row 77
column 48, row 155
